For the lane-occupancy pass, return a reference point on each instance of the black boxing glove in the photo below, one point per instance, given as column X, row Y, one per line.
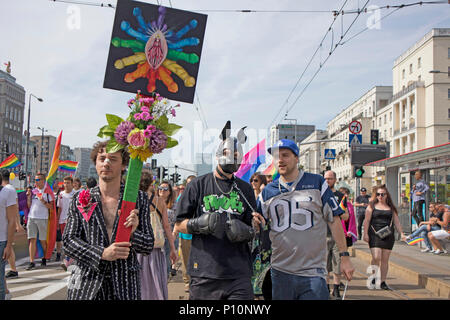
column 238, row 231
column 205, row 224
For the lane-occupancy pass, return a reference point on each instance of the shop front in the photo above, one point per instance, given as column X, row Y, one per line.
column 434, row 163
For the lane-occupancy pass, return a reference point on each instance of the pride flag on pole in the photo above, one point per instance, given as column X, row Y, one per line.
column 51, row 177
column 252, row 160
column 10, row 162
column 272, row 171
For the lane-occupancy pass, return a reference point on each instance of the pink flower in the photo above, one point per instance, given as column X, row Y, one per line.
column 173, row 112
column 137, row 116
column 148, row 132
column 136, row 138
column 146, row 116
column 84, row 198
column 130, row 102
column 148, row 100
column 145, row 109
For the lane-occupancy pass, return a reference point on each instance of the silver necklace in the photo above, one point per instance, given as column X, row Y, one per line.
column 227, row 193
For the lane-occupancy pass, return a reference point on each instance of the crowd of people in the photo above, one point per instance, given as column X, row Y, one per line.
column 284, row 239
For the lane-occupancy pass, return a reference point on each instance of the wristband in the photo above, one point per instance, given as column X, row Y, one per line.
column 344, row 254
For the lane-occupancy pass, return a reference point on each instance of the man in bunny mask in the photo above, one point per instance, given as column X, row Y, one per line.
column 217, row 209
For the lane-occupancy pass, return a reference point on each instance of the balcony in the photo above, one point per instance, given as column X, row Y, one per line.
column 411, row 87
column 396, row 132
column 404, row 129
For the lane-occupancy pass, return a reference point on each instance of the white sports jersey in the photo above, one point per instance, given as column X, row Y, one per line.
column 298, row 224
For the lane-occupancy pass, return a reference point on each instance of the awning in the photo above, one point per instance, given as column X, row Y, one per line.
column 439, row 154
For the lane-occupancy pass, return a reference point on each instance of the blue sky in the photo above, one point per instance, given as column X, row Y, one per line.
column 250, row 62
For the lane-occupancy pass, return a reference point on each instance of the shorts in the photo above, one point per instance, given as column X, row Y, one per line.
column 333, row 258
column 440, row 234
column 218, row 289
column 37, row 225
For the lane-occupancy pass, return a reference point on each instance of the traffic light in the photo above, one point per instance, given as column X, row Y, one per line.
column 177, row 178
column 22, row 175
column 358, row 171
column 328, row 168
column 164, row 173
column 374, row 136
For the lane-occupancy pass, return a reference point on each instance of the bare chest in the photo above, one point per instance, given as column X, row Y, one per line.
column 109, row 206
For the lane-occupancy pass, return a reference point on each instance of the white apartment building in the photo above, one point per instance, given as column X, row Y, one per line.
column 363, row 110
column 309, row 151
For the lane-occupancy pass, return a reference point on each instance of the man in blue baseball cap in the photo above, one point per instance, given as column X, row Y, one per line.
column 300, row 205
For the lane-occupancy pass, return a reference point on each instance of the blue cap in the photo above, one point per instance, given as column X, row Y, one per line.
column 285, row 144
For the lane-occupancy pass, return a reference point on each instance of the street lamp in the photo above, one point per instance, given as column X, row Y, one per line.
column 295, row 130
column 437, row 71
column 28, row 132
column 42, row 144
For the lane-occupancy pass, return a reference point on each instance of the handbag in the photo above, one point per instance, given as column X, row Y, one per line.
column 158, row 230
column 385, row 231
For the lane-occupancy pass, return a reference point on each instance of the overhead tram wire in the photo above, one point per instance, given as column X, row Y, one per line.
column 329, row 55
column 309, row 63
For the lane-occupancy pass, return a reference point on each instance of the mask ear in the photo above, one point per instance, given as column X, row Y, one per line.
column 226, row 131
column 242, row 138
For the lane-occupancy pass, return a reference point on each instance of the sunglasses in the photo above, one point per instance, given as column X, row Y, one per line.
column 254, row 180
column 381, row 194
column 163, row 188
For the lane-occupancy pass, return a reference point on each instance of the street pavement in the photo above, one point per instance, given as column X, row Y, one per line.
column 50, row 282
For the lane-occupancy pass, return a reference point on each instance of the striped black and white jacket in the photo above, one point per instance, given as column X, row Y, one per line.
column 85, row 242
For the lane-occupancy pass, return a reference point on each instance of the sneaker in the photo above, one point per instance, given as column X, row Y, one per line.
column 11, row 274
column 336, row 295
column 438, row 251
column 426, row 250
column 173, row 272
column 408, row 238
column 384, row 286
column 31, row 266
column 43, row 262
column 341, row 286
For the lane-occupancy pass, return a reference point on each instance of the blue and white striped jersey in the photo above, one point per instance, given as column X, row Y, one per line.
column 298, row 223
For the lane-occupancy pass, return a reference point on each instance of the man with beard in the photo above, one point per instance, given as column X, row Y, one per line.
column 105, row 269
column 216, row 209
column 300, row 206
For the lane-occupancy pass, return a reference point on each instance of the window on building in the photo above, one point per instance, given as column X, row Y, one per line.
column 373, row 124
column 448, row 93
column 410, row 68
column 449, row 53
column 379, row 121
column 390, row 116
column 449, row 113
column 419, row 78
column 385, row 118
column 403, row 74
column 448, row 135
column 419, row 63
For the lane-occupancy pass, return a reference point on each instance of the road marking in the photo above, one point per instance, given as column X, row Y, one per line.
column 43, row 277
column 47, row 291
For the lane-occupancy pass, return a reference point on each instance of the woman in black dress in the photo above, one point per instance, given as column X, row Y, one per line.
column 380, row 213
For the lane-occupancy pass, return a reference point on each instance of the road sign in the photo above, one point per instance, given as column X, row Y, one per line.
column 330, row 154
column 355, row 127
column 365, row 153
column 354, row 139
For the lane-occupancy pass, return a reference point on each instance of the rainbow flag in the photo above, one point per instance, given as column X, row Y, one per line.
column 415, row 240
column 68, row 166
column 343, row 204
column 51, row 177
column 252, row 160
column 10, row 162
column 55, row 162
column 271, row 170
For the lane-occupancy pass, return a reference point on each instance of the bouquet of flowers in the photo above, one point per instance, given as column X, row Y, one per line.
column 145, row 132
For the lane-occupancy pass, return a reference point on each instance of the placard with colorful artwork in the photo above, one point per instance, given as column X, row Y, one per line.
column 155, row 49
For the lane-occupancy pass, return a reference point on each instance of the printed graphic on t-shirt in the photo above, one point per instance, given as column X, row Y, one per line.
column 223, row 203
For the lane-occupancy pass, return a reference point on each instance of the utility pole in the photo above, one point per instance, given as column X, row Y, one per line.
column 42, row 145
